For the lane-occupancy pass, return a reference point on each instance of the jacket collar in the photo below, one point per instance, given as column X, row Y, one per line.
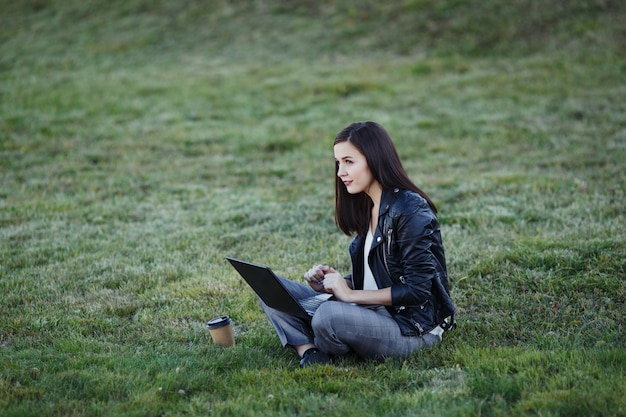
column 387, row 199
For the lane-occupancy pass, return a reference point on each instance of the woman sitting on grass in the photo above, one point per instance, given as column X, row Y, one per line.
column 396, row 301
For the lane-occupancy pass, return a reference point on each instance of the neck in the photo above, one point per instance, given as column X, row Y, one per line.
column 375, row 192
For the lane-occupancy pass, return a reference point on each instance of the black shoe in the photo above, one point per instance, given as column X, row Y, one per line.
column 314, row 356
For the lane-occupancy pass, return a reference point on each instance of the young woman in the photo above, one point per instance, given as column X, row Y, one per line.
column 396, row 300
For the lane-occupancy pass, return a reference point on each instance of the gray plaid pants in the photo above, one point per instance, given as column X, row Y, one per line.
column 340, row 328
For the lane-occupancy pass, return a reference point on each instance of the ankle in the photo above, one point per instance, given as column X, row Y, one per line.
column 309, row 351
column 302, row 349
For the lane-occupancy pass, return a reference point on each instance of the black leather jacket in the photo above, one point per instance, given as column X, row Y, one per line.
column 407, row 255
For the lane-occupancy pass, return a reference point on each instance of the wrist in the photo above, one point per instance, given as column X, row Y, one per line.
column 351, row 296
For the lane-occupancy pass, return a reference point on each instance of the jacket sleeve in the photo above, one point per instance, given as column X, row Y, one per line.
column 412, row 251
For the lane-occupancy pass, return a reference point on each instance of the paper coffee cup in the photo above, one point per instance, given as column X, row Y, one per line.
column 221, row 331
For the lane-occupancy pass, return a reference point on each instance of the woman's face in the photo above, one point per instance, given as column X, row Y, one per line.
column 353, row 169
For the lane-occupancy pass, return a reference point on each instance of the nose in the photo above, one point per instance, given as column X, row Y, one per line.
column 341, row 170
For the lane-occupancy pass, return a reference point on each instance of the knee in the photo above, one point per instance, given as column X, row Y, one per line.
column 325, row 316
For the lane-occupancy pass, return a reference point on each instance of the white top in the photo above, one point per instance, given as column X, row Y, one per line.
column 437, row 331
column 369, row 283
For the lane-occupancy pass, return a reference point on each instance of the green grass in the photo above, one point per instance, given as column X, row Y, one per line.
column 141, row 142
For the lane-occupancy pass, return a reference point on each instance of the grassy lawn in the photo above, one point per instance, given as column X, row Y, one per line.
column 141, row 142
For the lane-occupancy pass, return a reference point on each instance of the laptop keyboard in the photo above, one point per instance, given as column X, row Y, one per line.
column 312, row 303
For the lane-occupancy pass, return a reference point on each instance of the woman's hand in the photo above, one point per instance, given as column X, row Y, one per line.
column 315, row 276
column 335, row 284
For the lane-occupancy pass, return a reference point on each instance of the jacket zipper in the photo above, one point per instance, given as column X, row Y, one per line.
column 388, row 251
column 419, row 328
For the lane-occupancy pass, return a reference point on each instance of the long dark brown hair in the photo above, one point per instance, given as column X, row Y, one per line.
column 353, row 211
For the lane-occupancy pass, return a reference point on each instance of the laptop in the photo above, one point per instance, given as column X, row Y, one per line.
column 271, row 290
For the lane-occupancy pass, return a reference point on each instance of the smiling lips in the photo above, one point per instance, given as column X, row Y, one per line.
column 347, row 183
